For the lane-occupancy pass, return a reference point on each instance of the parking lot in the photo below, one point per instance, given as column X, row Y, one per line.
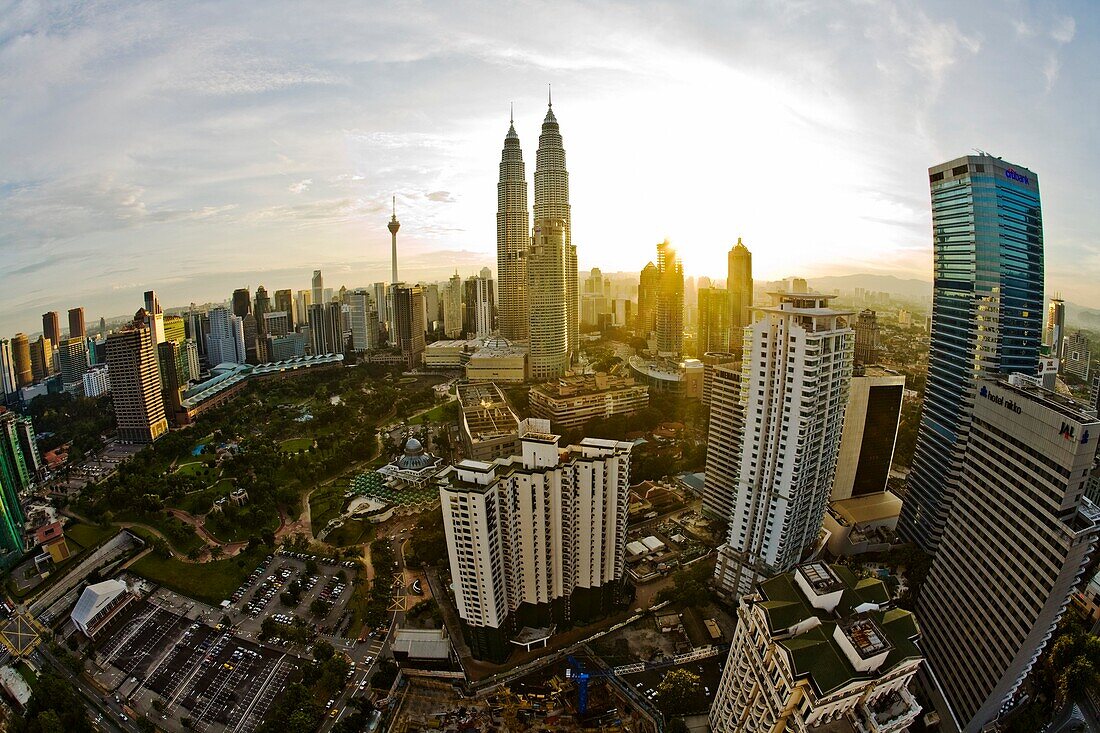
column 282, row 589
column 192, row 670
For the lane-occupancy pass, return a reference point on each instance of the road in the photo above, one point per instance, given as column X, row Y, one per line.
column 105, row 713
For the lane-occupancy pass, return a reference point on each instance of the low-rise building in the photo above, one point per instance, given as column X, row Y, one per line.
column 573, row 400
column 680, row 377
column 424, row 649
column 817, row 649
column 489, row 427
column 99, row 604
column 499, row 360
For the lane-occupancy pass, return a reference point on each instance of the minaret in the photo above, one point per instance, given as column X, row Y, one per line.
column 393, row 226
column 513, row 239
column 552, row 202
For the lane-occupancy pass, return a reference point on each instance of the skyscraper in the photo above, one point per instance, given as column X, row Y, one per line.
column 670, row 302
column 546, row 294
column 51, row 327
column 513, row 239
column 794, row 390
column 739, row 287
column 225, row 342
column 325, row 331
column 21, row 360
column 479, row 307
column 452, row 305
column 41, row 358
column 364, row 321
column 1017, row 539
column 987, row 318
column 1076, row 355
column 871, row 422
column 1055, row 329
column 552, row 202
column 154, row 317
column 15, row 477
column 649, row 282
column 242, row 302
column 76, row 323
column 135, row 383
column 537, row 539
column 284, row 301
column 72, row 357
column 725, row 432
column 318, row 292
column 867, row 340
column 172, row 362
column 714, row 324
column 408, row 306
column 393, row 226
column 260, row 306
column 9, row 383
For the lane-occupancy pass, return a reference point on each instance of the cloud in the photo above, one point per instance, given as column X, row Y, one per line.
column 444, row 197
column 300, row 186
column 1064, row 29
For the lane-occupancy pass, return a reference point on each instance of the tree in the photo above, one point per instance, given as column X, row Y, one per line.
column 323, row 651
column 318, row 607
column 680, row 692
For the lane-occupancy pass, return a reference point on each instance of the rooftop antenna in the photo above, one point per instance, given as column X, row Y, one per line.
column 512, row 112
column 549, row 97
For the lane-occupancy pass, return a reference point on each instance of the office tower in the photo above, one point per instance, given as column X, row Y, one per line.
column 135, row 383
column 324, row 329
column 9, row 384
column 452, row 305
column 408, row 306
column 191, row 353
column 1076, row 355
column 670, row 302
column 546, row 295
column 51, row 327
column 302, row 301
column 251, row 339
column 739, row 287
column 867, row 340
column 432, row 306
column 537, row 539
column 818, row 649
column 552, row 203
column 479, row 307
column 152, row 303
column 95, row 349
column 795, row 388
column 871, row 422
column 261, row 305
column 76, row 323
column 21, row 360
column 1055, row 329
column 28, row 444
column 725, row 430
column 382, row 305
column 72, row 356
column 513, row 239
column 987, row 317
column 714, row 323
column 225, row 342
column 287, row 347
column 175, row 329
column 198, row 328
column 393, row 226
column 242, row 302
column 284, row 302
column 172, row 360
column 649, row 282
column 1017, row 539
column 364, row 322
column 276, row 323
column 41, row 359
column 96, row 381
column 15, row 477
column 318, row 292
column 102, row 326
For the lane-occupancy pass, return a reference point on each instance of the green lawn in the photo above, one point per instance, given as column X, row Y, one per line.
column 294, row 445
column 433, row 415
column 196, row 468
column 326, row 504
column 211, row 582
column 199, row 502
column 351, row 532
column 250, row 523
column 89, row 535
column 180, row 535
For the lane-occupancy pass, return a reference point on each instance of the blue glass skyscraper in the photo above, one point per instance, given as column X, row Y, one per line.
column 987, row 317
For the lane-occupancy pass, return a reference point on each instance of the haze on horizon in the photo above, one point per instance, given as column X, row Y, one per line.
column 196, row 148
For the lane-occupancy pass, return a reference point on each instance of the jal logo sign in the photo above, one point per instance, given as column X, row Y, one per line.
column 1000, row 400
column 1067, row 431
column 1019, row 178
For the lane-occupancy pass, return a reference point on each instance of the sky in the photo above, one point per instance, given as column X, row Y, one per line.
column 193, row 148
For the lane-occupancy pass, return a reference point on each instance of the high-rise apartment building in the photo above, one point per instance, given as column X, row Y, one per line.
column 284, row 302
column 1055, row 328
column 135, row 384
column 725, row 431
column 96, row 381
column 537, row 539
column 739, row 286
column 318, row 292
column 1076, row 355
column 16, row 473
column 795, row 379
column 987, row 317
column 225, row 342
column 191, row 353
column 552, row 203
column 72, row 358
column 51, row 327
column 867, row 337
column 41, row 359
column 1017, row 539
column 364, row 321
column 818, row 649
column 670, row 302
column 76, row 324
column 649, row 282
column 713, row 333
column 479, row 308
column 21, row 360
column 408, row 306
column 452, row 305
column 546, row 298
column 9, row 384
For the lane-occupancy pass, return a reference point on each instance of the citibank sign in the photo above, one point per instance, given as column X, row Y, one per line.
column 1019, row 178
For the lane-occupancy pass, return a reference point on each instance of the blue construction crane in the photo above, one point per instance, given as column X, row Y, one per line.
column 577, row 672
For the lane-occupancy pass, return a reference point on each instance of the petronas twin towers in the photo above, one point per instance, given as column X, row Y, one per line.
column 537, row 266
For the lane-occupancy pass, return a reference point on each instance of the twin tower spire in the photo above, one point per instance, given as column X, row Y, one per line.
column 516, row 237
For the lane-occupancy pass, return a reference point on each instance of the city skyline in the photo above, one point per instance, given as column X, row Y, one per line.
column 82, row 206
